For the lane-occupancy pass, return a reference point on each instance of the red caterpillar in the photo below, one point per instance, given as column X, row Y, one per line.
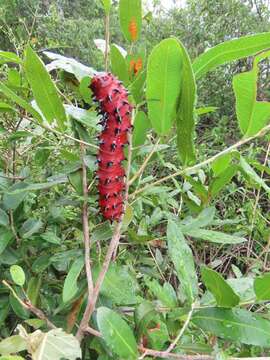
column 116, row 110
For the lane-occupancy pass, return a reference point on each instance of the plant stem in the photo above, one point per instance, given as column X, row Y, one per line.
column 91, row 303
column 243, row 141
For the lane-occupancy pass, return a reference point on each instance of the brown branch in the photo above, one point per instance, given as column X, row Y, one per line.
column 90, row 307
column 30, row 307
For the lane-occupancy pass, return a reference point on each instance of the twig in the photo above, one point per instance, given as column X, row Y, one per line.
column 107, row 40
column 93, row 331
column 243, row 141
column 30, row 307
column 174, row 343
column 87, row 242
column 90, row 307
column 142, row 168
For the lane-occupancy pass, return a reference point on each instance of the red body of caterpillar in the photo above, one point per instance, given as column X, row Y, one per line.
column 116, row 110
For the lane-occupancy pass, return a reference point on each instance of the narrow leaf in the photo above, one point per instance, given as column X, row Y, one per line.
column 44, row 89
column 70, row 284
column 185, row 117
column 214, row 236
column 119, row 65
column 117, row 334
column 229, row 51
column 182, row 258
column 253, row 175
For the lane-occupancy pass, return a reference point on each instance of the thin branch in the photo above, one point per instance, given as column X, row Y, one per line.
column 93, row 331
column 85, row 215
column 90, row 307
column 30, row 307
column 142, row 168
column 205, row 162
column 174, row 343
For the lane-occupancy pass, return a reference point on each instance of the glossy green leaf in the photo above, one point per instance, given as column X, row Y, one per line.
column 235, row 325
column 252, row 115
column 70, row 284
column 137, row 87
column 223, row 293
column 253, row 175
column 262, row 287
column 6, row 56
column 185, row 120
column 214, row 236
column 163, row 84
column 12, row 344
column 17, row 275
column 107, row 6
column 205, row 110
column 119, row 65
column 44, row 89
column 229, row 51
column 182, row 258
column 21, row 102
column 130, row 13
column 117, row 334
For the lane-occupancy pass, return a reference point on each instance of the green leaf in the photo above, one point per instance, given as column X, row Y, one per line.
column 21, row 102
column 17, row 275
column 185, row 121
column 6, row 56
column 4, row 219
column 163, row 84
column 56, row 345
column 182, row 258
column 223, row 293
column 30, row 227
column 137, row 87
column 12, row 344
column 165, row 294
column 119, row 285
column 6, row 107
column 70, row 285
column 214, row 236
column 33, row 288
column 221, row 164
column 5, row 237
column 44, row 89
column 102, row 232
column 117, row 334
column 235, row 325
column 219, row 182
column 229, row 51
column 107, row 6
column 252, row 115
column 75, row 179
column 262, row 287
column 253, row 175
column 119, row 66
column 51, row 237
column 205, row 110
column 130, row 13
column 204, row 218
column 141, row 125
